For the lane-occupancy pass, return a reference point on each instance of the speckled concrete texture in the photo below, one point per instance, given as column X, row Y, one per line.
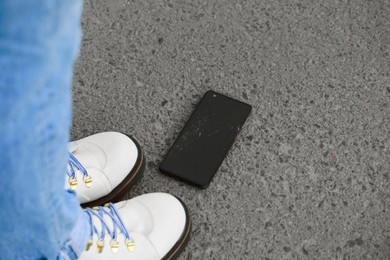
column 309, row 175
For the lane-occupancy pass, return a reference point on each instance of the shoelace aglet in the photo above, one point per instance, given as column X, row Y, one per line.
column 90, row 243
column 100, row 246
column 130, row 245
column 114, row 246
column 73, row 183
column 87, row 181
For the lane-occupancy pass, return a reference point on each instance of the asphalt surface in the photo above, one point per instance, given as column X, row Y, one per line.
column 309, row 175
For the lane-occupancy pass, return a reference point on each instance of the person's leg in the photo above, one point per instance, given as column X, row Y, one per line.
column 39, row 42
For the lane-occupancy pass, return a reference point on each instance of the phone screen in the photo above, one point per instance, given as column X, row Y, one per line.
column 205, row 140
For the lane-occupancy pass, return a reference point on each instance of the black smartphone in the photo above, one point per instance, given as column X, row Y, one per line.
column 205, row 139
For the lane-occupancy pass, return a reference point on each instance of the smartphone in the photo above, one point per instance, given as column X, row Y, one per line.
column 205, row 140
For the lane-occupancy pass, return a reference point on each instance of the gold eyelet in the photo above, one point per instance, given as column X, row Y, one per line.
column 114, row 246
column 130, row 245
column 73, row 183
column 100, row 246
column 87, row 181
column 90, row 243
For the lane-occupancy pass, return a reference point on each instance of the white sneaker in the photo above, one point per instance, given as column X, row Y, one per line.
column 108, row 163
column 151, row 226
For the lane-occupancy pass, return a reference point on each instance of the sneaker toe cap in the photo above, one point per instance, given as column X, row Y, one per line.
column 169, row 220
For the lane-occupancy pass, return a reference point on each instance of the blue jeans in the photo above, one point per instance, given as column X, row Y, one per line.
column 39, row 43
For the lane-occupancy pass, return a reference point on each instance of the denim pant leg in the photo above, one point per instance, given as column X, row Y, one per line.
column 39, row 42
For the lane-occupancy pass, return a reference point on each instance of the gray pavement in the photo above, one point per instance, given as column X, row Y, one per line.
column 309, row 175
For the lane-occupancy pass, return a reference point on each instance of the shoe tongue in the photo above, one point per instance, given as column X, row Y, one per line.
column 108, row 224
column 135, row 216
column 72, row 146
